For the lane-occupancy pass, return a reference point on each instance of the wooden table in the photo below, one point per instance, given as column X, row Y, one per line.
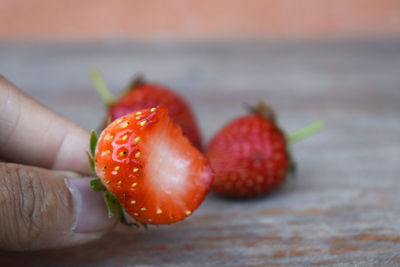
column 344, row 206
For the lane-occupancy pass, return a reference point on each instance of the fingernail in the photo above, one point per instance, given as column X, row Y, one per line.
column 90, row 207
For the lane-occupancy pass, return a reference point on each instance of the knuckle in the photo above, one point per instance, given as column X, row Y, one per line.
column 21, row 199
column 31, row 195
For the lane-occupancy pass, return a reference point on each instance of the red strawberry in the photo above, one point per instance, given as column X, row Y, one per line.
column 146, row 163
column 143, row 95
column 249, row 155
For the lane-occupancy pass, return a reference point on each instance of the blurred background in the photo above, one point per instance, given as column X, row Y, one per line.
column 249, row 49
column 198, row 20
column 270, row 48
column 310, row 56
column 337, row 60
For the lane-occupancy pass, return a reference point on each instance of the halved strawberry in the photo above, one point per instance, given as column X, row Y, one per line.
column 156, row 174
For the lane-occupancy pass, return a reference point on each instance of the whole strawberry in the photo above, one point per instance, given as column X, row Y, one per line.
column 143, row 95
column 249, row 155
column 148, row 166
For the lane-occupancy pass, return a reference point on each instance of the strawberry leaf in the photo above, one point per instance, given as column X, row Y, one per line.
column 263, row 110
column 114, row 207
column 93, row 142
column 102, row 88
column 97, row 185
column 137, row 81
column 91, row 161
column 306, row 131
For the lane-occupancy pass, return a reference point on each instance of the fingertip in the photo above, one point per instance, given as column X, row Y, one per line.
column 58, row 210
column 71, row 153
column 32, row 134
column 90, row 208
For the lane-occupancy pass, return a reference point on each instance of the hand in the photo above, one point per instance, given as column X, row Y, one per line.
column 43, row 202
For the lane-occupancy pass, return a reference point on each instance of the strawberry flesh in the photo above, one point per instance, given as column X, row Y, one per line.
column 151, row 168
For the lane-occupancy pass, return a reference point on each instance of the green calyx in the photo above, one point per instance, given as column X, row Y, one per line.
column 113, row 205
column 137, row 81
column 93, row 142
column 105, row 93
column 299, row 135
column 92, row 146
column 102, row 88
column 306, row 131
column 266, row 111
column 263, row 110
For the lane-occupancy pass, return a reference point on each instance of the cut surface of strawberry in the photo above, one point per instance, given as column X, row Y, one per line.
column 154, row 171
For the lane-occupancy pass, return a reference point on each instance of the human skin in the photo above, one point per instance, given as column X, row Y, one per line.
column 45, row 201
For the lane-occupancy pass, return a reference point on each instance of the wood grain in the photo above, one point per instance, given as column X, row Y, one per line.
column 343, row 206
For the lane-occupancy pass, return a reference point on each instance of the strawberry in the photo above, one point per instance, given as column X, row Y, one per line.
column 249, row 155
column 143, row 95
column 147, row 165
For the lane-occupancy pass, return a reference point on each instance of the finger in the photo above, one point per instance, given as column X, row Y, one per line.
column 32, row 134
column 43, row 209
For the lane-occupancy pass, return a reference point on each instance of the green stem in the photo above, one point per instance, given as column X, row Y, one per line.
column 306, row 131
column 101, row 87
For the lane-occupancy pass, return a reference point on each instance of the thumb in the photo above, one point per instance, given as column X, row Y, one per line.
column 44, row 209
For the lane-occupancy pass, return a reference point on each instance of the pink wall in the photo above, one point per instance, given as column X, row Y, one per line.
column 198, row 19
